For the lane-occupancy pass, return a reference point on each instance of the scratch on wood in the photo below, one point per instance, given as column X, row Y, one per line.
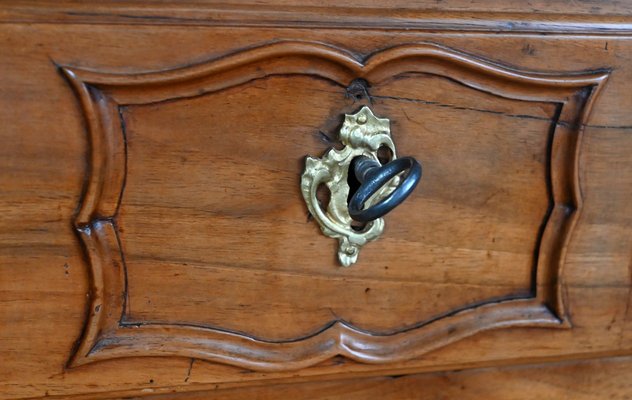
column 326, row 138
column 186, row 379
column 455, row 107
column 528, row 49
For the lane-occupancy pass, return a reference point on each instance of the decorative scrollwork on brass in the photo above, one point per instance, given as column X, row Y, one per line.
column 362, row 134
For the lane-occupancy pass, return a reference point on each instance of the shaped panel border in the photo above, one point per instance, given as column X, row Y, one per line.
column 102, row 95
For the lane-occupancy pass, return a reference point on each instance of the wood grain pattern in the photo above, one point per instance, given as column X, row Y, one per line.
column 543, row 16
column 587, row 380
column 106, row 99
column 44, row 159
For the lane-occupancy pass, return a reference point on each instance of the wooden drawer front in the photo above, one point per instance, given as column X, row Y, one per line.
column 160, row 202
column 200, row 243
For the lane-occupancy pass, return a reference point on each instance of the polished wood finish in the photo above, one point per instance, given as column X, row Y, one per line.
column 155, row 186
column 491, row 16
column 151, row 203
column 586, row 380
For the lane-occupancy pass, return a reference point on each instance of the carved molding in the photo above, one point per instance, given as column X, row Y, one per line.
column 107, row 334
column 549, row 17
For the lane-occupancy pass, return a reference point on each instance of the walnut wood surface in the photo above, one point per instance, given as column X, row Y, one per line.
column 239, row 199
column 47, row 289
column 586, row 380
column 542, row 16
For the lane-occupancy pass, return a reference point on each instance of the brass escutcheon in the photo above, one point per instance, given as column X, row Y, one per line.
column 362, row 134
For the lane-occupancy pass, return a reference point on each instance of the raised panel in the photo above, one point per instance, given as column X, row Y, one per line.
column 200, row 245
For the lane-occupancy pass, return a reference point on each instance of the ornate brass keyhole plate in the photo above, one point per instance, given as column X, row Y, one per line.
column 362, row 134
